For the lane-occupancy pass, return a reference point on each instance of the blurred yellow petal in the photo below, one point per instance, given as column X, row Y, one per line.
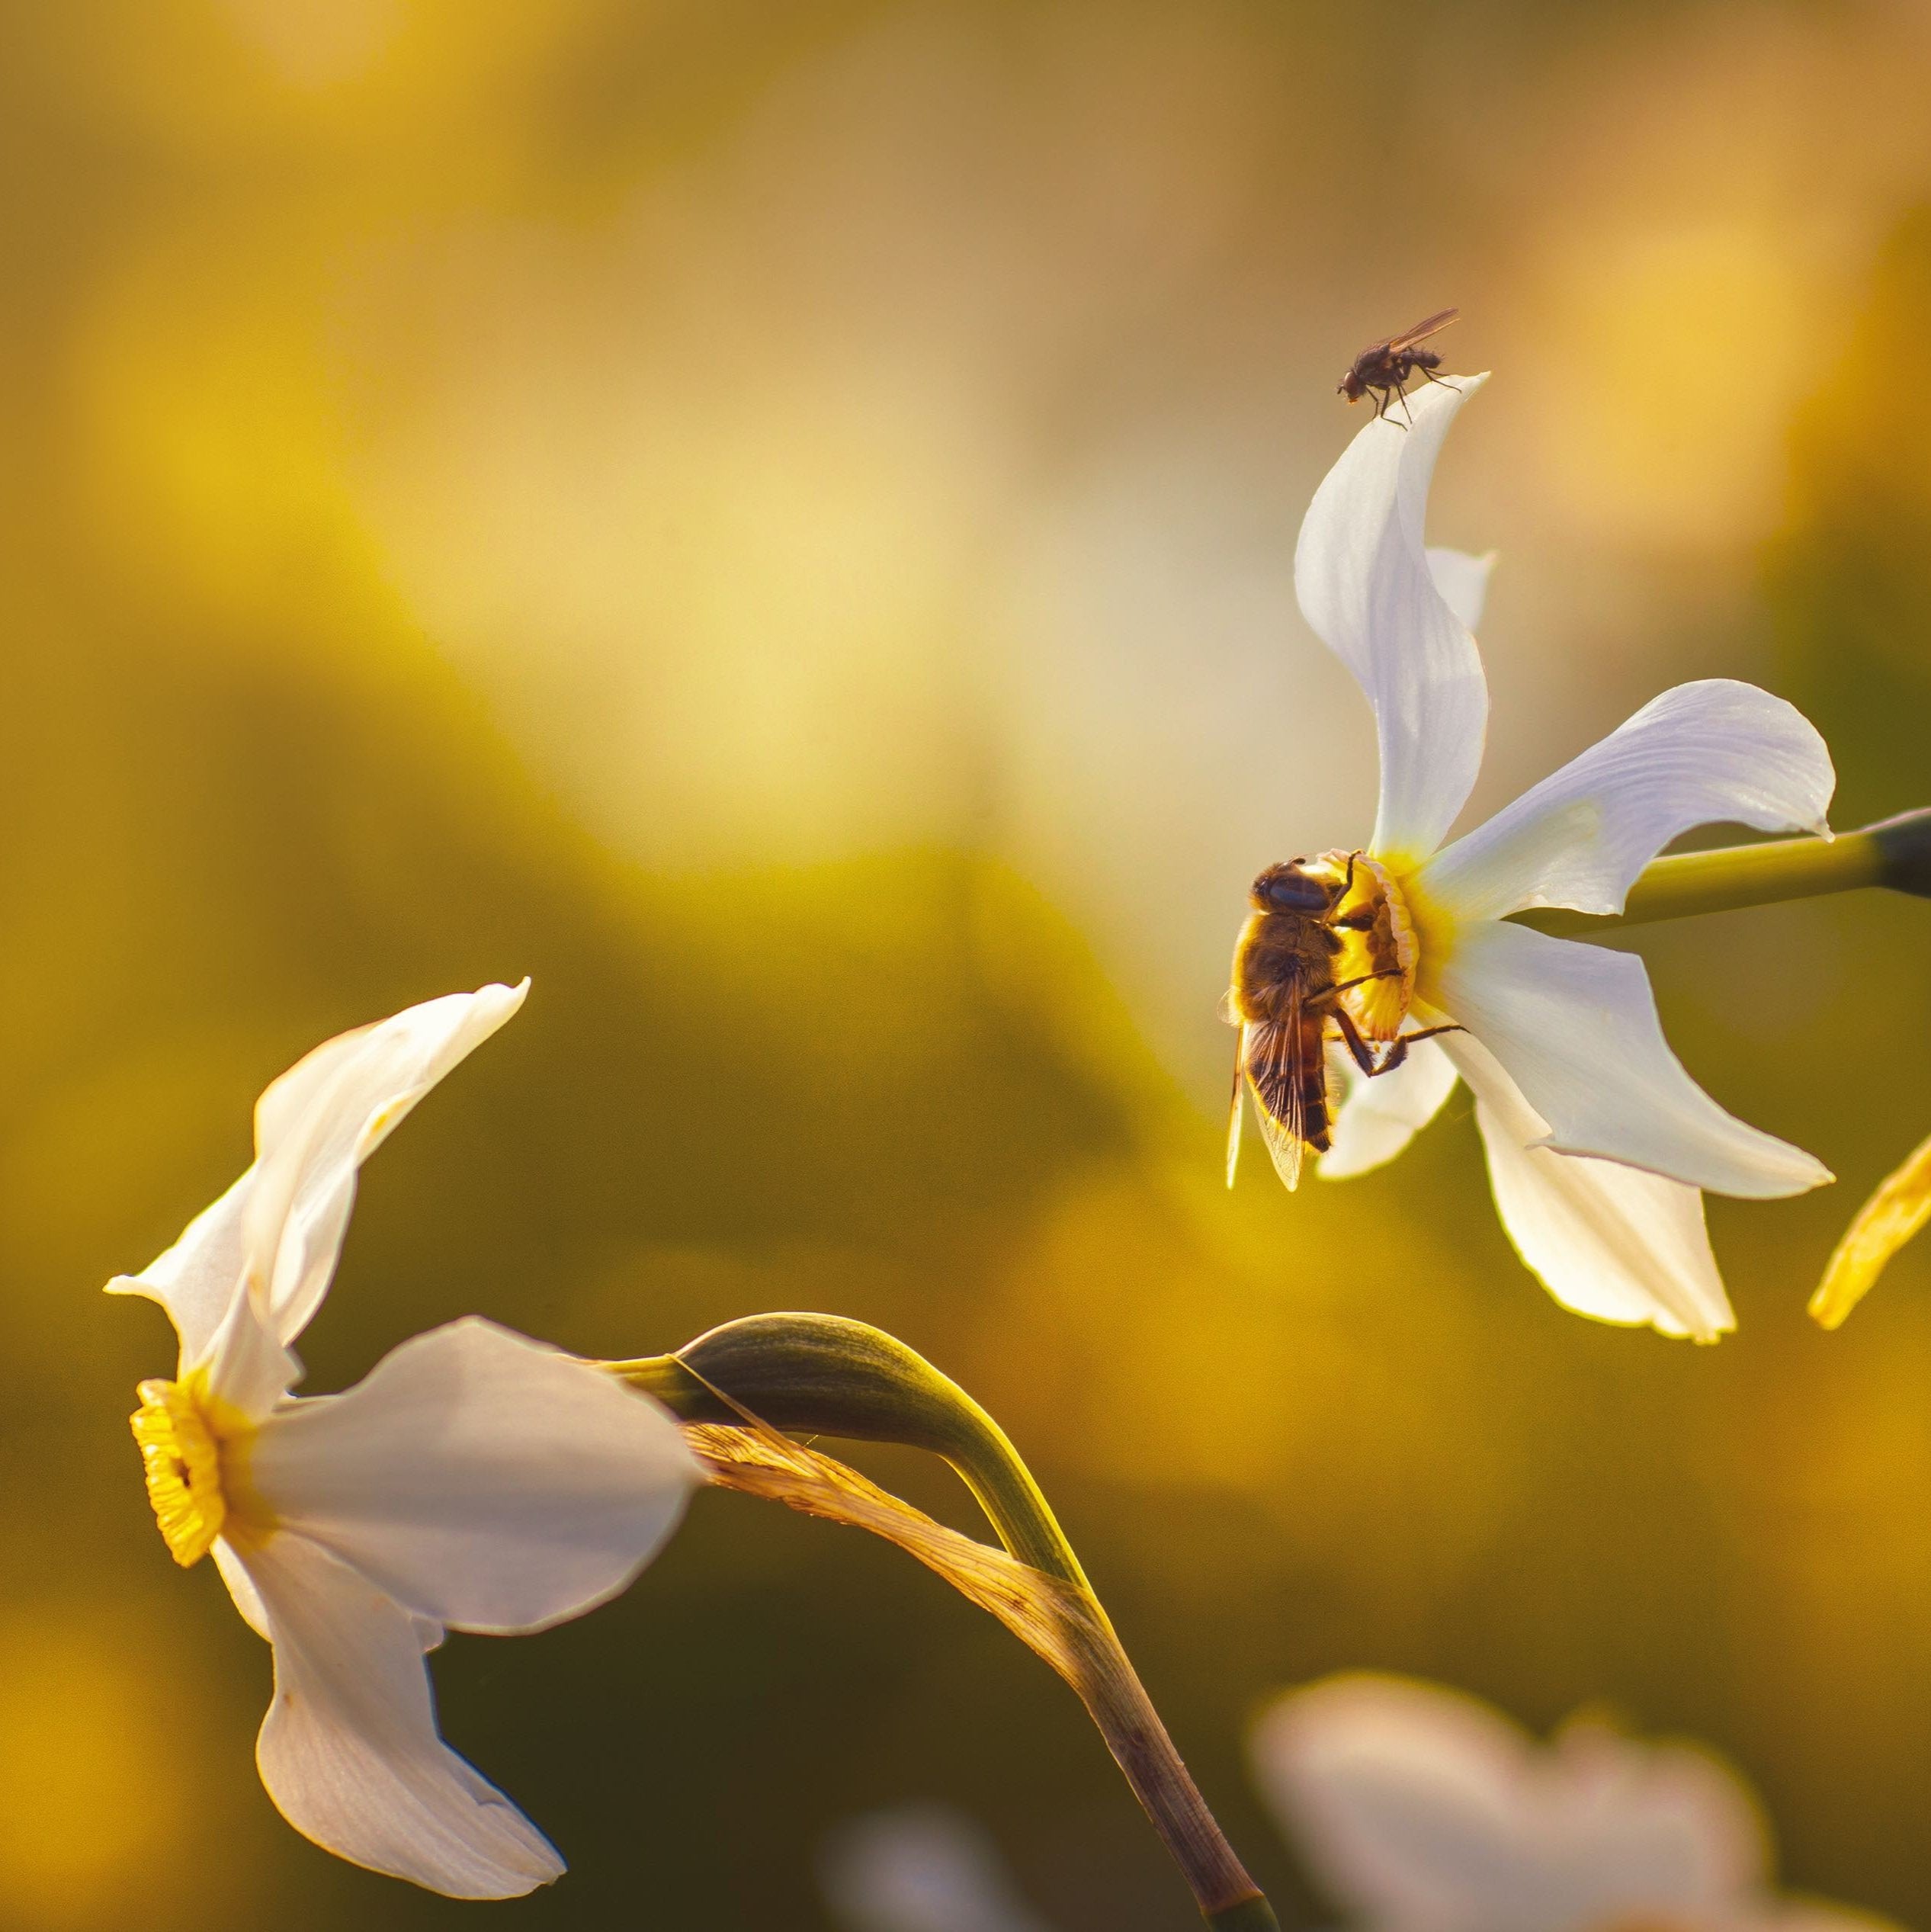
column 1901, row 1206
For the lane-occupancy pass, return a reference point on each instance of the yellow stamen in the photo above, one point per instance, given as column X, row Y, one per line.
column 191, row 1451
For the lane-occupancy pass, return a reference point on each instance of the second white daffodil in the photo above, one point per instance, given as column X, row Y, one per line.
column 1420, row 1809
column 1598, row 1142
column 474, row 1480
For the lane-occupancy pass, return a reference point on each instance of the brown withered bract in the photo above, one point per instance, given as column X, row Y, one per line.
column 1287, row 1001
column 1384, row 368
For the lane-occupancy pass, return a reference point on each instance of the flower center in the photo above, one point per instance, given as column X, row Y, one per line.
column 188, row 1442
column 1381, row 952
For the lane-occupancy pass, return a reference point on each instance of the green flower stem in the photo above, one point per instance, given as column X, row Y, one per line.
column 1895, row 854
column 820, row 1375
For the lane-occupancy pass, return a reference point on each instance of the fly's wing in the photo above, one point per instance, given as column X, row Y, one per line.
column 1432, row 325
column 1271, row 1052
column 1234, row 1111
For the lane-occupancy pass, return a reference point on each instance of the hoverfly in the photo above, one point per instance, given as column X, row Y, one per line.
column 1288, row 1003
column 1385, row 367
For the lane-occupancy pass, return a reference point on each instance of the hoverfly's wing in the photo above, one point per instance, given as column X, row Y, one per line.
column 1433, row 326
column 1271, row 1052
column 1234, row 1110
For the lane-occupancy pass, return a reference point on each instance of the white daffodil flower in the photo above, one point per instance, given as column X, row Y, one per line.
column 1597, row 1141
column 474, row 1480
column 921, row 1868
column 1420, row 1809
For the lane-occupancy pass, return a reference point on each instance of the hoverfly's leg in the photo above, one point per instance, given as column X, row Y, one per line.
column 1398, row 1048
column 1362, row 918
column 1361, row 979
column 1363, row 1054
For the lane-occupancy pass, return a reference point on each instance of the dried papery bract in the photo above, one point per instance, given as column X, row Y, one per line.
column 1043, row 1613
column 822, row 1374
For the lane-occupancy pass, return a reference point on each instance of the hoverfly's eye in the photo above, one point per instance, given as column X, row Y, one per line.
column 1287, row 889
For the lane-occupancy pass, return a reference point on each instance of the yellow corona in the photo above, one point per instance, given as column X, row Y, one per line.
column 191, row 1454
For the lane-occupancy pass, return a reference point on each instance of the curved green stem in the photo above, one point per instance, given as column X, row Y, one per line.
column 820, row 1375
column 1895, row 854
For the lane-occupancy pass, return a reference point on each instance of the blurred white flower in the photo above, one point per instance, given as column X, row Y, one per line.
column 1420, row 1809
column 475, row 1479
column 1597, row 1141
column 921, row 1868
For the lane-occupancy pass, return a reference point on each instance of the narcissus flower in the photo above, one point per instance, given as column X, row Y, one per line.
column 474, row 1480
column 1597, row 1141
column 1418, row 1809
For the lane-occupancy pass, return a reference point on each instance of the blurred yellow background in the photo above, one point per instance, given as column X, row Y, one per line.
column 776, row 521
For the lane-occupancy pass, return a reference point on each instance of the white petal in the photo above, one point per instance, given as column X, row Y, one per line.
column 1651, row 1824
column 920, row 1867
column 247, row 1368
column 1463, row 580
column 1703, row 753
column 349, row 1750
column 1412, row 1805
column 1429, row 1811
column 481, row 1478
column 1363, row 584
column 1607, row 1240
column 1377, row 1117
column 241, row 1586
column 323, row 1118
column 198, row 1278
column 1576, row 1028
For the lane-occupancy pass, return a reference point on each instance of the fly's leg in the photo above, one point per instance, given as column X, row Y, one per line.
column 1363, row 1054
column 1361, row 979
column 1398, row 1050
column 1430, row 375
column 1361, row 919
column 1401, row 389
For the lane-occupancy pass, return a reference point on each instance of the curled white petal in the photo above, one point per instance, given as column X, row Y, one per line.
column 480, row 1478
column 349, row 1752
column 200, row 1275
column 1377, row 1117
column 247, row 1368
column 1609, row 1241
column 1363, row 584
column 1576, row 1028
column 1703, row 753
column 1463, row 580
column 322, row 1119
column 1427, row 1811
column 920, row 1867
